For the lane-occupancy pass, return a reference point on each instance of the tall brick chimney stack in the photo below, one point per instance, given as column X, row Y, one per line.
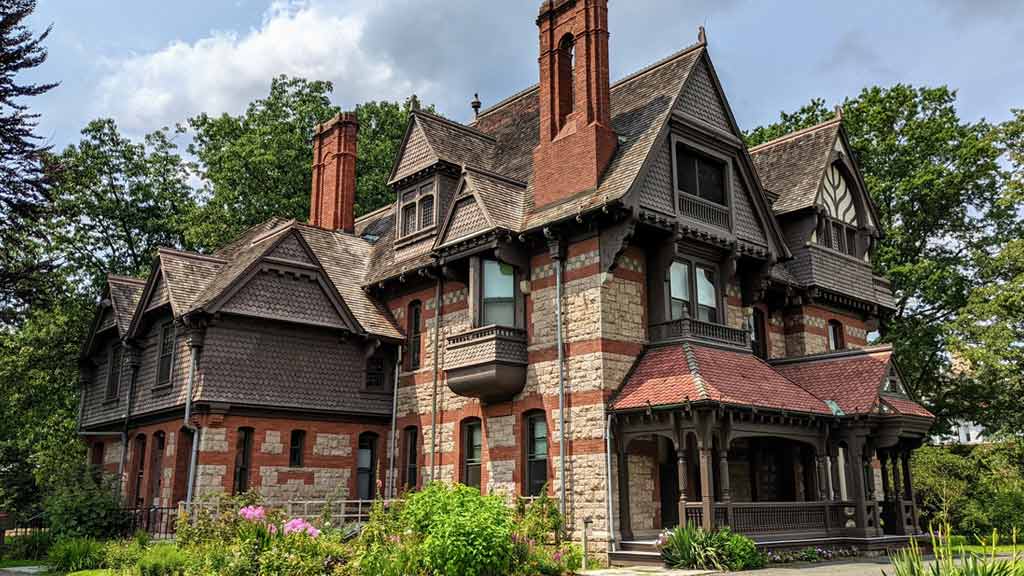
column 576, row 136
column 333, row 201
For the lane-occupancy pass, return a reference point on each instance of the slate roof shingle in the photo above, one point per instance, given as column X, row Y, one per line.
column 124, row 297
column 676, row 374
column 791, row 167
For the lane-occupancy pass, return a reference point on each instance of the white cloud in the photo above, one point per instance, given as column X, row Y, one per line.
column 225, row 70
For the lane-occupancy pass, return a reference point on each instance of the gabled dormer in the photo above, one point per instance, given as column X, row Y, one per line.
column 846, row 215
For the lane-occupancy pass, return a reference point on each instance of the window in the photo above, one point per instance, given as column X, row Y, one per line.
column 366, row 466
column 156, row 468
column 166, row 355
column 892, row 383
column 418, row 208
column 243, row 459
column 498, row 294
column 472, row 451
column 536, row 453
column 835, row 335
column 414, row 330
column 707, row 295
column 139, row 468
column 840, row 237
column 758, row 334
column 376, row 371
column 114, row 372
column 296, row 448
column 96, row 459
column 700, row 176
column 412, row 435
column 679, row 290
column 566, row 78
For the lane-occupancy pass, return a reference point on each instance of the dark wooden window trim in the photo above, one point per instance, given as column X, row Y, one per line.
column 419, row 197
column 675, row 142
column 243, row 459
column 414, row 328
column 759, row 333
column 693, row 263
column 367, row 441
column 296, row 449
column 138, row 468
column 476, row 273
column 156, row 458
column 840, row 242
column 836, row 336
column 410, row 445
column 471, row 465
column 535, row 476
column 114, row 369
column 162, row 383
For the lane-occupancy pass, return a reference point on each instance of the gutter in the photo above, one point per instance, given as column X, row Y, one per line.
column 392, row 487
column 195, row 344
column 433, row 414
column 555, row 248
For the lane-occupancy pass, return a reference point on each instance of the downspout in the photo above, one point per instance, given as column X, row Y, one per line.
column 608, row 483
column 394, row 426
column 556, row 256
column 433, row 414
column 128, row 414
column 195, row 344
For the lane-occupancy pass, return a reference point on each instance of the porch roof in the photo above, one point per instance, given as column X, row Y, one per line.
column 852, row 379
column 690, row 372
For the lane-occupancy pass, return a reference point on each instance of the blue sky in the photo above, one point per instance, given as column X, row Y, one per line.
column 150, row 63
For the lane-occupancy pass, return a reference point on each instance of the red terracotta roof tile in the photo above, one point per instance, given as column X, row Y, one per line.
column 907, row 407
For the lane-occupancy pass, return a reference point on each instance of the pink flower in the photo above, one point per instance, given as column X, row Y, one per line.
column 253, row 513
column 300, row 525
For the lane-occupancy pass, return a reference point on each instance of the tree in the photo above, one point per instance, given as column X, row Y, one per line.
column 23, row 190
column 944, row 208
column 116, row 201
column 257, row 165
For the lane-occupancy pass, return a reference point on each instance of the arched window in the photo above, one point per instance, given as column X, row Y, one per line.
column 243, row 459
column 759, row 334
column 411, row 437
column 566, row 77
column 156, row 468
column 472, row 451
column 296, row 448
column 366, row 466
column 835, row 335
column 414, row 329
column 536, row 443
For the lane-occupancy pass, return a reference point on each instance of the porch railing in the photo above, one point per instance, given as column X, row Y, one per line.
column 760, row 519
column 691, row 328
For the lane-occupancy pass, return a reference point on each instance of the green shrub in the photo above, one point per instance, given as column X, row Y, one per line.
column 692, row 547
column 76, row 554
column 33, row 546
column 121, row 554
column 162, row 560
column 741, row 553
column 84, row 506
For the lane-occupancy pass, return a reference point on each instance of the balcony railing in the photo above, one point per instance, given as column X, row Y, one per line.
column 693, row 329
column 488, row 363
column 701, row 210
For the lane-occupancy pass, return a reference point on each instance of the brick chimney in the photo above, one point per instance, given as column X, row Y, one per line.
column 576, row 137
column 333, row 201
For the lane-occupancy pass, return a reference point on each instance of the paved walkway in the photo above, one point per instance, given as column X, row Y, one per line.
column 22, row 570
column 858, row 567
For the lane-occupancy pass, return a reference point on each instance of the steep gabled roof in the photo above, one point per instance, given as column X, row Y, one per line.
column 430, row 138
column 181, row 276
column 853, row 379
column 485, row 202
column 682, row 373
column 124, row 297
column 791, row 167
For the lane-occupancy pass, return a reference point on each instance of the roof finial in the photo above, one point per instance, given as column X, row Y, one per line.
column 702, row 37
column 476, row 105
column 414, row 102
column 839, row 111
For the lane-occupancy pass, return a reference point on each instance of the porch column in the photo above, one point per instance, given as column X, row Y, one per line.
column 683, row 481
column 625, row 522
column 856, row 456
column 822, row 477
column 908, row 482
column 886, row 491
column 897, row 491
column 723, row 474
column 707, row 490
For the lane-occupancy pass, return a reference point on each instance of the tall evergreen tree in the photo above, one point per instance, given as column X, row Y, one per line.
column 23, row 189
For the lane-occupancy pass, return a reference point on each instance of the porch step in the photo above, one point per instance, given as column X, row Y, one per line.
column 639, row 546
column 635, row 558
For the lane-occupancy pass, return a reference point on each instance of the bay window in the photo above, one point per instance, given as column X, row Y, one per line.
column 686, row 278
column 497, row 294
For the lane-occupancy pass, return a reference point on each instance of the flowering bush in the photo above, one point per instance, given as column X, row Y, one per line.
column 810, row 554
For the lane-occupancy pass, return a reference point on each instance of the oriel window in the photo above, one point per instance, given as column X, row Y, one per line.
column 498, row 294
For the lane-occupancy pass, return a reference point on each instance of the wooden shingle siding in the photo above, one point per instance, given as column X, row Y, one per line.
column 748, row 226
column 285, row 296
column 96, row 409
column 658, row 192
column 701, row 100
column 252, row 362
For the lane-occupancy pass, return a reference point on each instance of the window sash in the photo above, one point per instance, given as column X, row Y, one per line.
column 166, row 354
column 295, row 448
column 707, row 294
column 114, row 372
column 415, row 335
column 537, row 454
column 700, row 176
column 759, row 334
column 365, row 465
column 835, row 336
column 243, row 459
column 472, row 453
column 679, row 290
column 411, row 456
column 498, row 301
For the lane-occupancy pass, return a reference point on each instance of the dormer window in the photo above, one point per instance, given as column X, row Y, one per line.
column 417, row 209
column 892, row 383
column 838, row 229
column 699, row 175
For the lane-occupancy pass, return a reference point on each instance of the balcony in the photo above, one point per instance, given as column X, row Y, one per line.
column 693, row 329
column 701, row 210
column 487, row 363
